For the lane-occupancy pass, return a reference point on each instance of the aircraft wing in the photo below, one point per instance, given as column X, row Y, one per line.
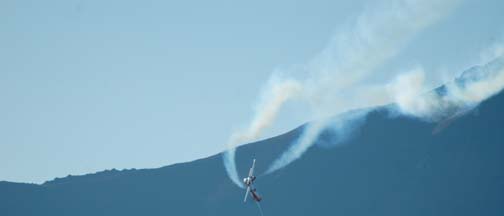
column 251, row 171
column 246, row 194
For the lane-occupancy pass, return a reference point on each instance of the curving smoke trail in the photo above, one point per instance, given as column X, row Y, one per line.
column 408, row 92
column 340, row 72
column 266, row 112
column 336, row 75
column 338, row 80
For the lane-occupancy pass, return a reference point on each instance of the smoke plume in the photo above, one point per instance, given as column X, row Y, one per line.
column 340, row 79
column 275, row 94
column 340, row 74
column 467, row 91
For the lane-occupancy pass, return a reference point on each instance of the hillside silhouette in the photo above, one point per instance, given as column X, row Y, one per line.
column 390, row 166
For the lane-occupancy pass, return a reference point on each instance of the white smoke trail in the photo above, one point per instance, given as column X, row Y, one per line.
column 407, row 92
column 415, row 98
column 274, row 96
column 471, row 88
column 339, row 73
column 342, row 128
column 339, row 79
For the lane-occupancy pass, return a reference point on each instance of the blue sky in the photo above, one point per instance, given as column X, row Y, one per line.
column 93, row 85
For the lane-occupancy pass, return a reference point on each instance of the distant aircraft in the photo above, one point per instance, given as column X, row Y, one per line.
column 248, row 183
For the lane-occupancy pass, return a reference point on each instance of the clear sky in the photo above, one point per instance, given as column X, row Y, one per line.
column 91, row 85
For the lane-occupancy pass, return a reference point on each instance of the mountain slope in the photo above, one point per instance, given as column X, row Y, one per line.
column 392, row 166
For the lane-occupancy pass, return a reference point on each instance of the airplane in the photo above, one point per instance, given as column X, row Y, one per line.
column 248, row 183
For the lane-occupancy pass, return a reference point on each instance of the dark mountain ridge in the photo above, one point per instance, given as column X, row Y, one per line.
column 391, row 166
